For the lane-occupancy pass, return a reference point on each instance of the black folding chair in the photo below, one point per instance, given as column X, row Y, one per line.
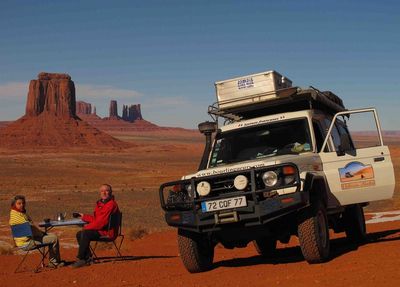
column 115, row 220
column 25, row 230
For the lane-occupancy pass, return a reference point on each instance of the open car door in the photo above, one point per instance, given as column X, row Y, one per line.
column 357, row 165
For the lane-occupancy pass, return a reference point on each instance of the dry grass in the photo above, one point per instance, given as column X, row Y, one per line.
column 6, row 250
column 138, row 232
column 69, row 182
column 104, row 246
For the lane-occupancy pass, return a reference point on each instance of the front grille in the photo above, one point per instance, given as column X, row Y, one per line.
column 224, row 185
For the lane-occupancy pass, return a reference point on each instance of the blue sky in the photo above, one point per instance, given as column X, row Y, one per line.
column 167, row 55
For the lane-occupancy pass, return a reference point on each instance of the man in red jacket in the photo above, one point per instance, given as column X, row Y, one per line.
column 97, row 224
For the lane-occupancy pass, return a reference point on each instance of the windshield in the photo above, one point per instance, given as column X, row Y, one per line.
column 286, row 137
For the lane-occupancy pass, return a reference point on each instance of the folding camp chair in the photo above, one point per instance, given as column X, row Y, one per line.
column 25, row 230
column 114, row 221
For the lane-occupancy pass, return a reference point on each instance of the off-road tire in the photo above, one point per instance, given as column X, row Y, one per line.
column 196, row 251
column 313, row 232
column 266, row 247
column 354, row 223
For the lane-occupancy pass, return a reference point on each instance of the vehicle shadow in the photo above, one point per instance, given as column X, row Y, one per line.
column 339, row 247
column 106, row 259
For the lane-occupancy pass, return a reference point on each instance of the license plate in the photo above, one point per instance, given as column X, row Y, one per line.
column 222, row 204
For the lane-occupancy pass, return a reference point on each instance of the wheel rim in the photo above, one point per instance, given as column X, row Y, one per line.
column 321, row 222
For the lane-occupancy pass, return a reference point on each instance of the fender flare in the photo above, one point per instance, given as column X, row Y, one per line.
column 316, row 185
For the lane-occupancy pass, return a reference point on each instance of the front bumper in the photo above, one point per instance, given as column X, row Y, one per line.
column 254, row 214
column 259, row 210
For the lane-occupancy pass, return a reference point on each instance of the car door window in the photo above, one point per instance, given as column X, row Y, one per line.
column 359, row 129
column 344, row 133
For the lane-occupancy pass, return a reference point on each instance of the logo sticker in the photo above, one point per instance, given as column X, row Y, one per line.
column 356, row 175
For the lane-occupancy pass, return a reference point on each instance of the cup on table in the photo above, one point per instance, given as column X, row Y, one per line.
column 46, row 220
column 61, row 216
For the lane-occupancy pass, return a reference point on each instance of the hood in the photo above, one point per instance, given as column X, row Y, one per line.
column 304, row 161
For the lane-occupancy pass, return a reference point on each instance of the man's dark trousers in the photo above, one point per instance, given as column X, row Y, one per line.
column 84, row 237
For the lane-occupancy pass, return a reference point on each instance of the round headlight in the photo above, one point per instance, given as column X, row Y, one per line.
column 270, row 178
column 203, row 188
column 240, row 182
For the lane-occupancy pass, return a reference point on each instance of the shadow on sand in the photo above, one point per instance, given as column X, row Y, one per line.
column 106, row 259
column 339, row 247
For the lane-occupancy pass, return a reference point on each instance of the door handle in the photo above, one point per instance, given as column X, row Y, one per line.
column 379, row 159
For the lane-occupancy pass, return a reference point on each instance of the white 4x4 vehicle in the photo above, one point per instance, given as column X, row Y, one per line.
column 284, row 163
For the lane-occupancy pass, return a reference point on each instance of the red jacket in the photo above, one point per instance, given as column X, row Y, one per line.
column 99, row 221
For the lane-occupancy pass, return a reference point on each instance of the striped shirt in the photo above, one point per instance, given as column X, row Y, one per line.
column 17, row 217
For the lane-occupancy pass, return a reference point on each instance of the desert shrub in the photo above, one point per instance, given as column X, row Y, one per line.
column 5, row 250
column 137, row 232
column 103, row 246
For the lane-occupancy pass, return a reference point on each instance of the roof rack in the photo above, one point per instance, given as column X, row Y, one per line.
column 284, row 100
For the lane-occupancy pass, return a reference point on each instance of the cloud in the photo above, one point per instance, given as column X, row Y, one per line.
column 13, row 90
column 166, row 110
column 20, row 89
column 105, row 92
column 174, row 111
column 162, row 102
column 12, row 100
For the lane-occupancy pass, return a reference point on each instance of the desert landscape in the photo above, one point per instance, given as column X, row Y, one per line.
column 68, row 181
column 112, row 92
column 65, row 151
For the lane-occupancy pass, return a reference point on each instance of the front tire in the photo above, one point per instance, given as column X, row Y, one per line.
column 354, row 223
column 196, row 251
column 313, row 235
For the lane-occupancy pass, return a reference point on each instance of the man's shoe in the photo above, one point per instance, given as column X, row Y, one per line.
column 53, row 264
column 79, row 263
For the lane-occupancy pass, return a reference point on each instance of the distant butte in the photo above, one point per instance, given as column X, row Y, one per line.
column 129, row 113
column 84, row 108
column 113, row 110
column 131, row 119
column 51, row 121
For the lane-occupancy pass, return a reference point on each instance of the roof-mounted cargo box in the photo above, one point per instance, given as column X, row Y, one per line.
column 249, row 89
column 268, row 93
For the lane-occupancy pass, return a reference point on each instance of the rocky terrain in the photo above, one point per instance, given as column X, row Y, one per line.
column 131, row 119
column 67, row 182
column 4, row 123
column 131, row 113
column 84, row 108
column 50, row 120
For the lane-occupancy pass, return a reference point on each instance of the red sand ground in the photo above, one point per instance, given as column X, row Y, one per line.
column 155, row 262
column 154, row 259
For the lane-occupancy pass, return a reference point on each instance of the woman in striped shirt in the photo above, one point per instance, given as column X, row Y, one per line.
column 18, row 215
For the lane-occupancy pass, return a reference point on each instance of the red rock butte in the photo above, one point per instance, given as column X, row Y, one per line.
column 51, row 121
column 53, row 94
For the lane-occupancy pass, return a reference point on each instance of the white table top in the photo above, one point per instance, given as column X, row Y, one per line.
column 66, row 222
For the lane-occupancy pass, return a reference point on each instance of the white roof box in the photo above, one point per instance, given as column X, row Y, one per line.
column 250, row 89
